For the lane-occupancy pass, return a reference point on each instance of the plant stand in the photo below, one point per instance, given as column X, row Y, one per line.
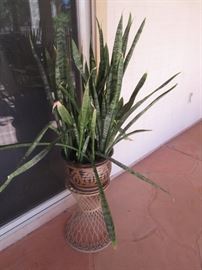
column 86, row 230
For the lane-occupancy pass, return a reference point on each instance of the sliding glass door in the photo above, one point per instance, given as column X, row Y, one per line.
column 24, row 108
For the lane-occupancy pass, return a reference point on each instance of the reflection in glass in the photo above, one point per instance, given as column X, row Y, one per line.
column 24, row 108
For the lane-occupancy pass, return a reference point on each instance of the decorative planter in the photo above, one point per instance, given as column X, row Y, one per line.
column 81, row 176
column 86, row 230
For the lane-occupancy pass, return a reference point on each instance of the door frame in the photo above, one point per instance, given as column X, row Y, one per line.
column 44, row 212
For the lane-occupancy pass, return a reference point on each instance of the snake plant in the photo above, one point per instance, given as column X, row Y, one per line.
column 89, row 128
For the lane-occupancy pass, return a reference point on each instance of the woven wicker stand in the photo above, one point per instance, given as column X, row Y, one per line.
column 86, row 230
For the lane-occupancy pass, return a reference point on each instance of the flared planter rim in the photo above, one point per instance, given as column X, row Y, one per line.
column 85, row 165
column 80, row 178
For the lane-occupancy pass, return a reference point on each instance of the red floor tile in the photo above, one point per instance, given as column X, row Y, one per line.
column 190, row 142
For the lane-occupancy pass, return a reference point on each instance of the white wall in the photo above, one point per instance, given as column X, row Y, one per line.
column 170, row 42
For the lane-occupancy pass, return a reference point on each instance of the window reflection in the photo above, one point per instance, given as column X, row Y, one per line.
column 14, row 16
column 34, row 14
column 22, row 91
column 7, row 115
column 24, row 109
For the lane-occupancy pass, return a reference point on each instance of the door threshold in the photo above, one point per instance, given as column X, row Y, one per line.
column 33, row 219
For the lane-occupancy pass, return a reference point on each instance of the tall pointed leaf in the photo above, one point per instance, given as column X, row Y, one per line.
column 111, row 114
column 101, row 38
column 105, row 209
column 129, row 104
column 134, row 43
column 69, row 96
column 124, row 137
column 137, row 174
column 117, row 56
column 42, row 73
column 83, row 116
column 138, row 104
column 146, row 109
column 84, row 148
column 61, row 59
column 26, row 166
column 101, row 68
column 92, row 64
column 77, row 60
column 63, row 112
column 26, row 145
column 93, row 130
column 35, row 142
column 126, row 34
column 103, row 71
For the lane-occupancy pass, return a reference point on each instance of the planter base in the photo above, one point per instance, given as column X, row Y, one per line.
column 86, row 230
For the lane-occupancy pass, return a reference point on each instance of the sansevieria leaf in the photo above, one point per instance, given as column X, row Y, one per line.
column 129, row 104
column 93, row 131
column 146, row 109
column 36, row 142
column 137, row 174
column 111, row 114
column 131, row 171
column 134, row 43
column 78, row 60
column 63, row 112
column 83, row 118
column 125, row 136
column 26, row 166
column 126, row 34
column 105, row 209
column 117, row 58
column 126, row 114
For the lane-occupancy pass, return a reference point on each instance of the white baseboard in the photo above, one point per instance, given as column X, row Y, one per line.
column 33, row 219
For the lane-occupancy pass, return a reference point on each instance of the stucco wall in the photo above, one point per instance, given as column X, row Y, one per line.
column 170, row 42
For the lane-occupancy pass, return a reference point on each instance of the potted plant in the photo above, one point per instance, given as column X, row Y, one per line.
column 88, row 128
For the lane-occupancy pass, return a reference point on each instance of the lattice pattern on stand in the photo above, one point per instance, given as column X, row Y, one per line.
column 86, row 231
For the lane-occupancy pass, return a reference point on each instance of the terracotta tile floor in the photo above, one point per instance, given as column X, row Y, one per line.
column 155, row 231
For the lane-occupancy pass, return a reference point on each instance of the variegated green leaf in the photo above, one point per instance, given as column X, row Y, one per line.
column 105, row 209
column 126, row 136
column 111, row 114
column 63, row 112
column 35, row 142
column 125, row 35
column 93, row 132
column 146, row 109
column 117, row 57
column 69, row 96
column 26, row 166
column 137, row 174
column 83, row 119
column 84, row 148
column 126, row 114
column 77, row 60
column 93, row 66
column 129, row 104
column 133, row 172
column 134, row 43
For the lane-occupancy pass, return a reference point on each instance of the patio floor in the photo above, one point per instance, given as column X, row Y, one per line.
column 154, row 231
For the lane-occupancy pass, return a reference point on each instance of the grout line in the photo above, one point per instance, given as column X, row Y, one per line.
column 198, row 247
column 164, row 144
column 182, row 152
column 91, row 262
column 162, row 231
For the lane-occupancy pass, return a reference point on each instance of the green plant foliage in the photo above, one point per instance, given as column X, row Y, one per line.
column 89, row 130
